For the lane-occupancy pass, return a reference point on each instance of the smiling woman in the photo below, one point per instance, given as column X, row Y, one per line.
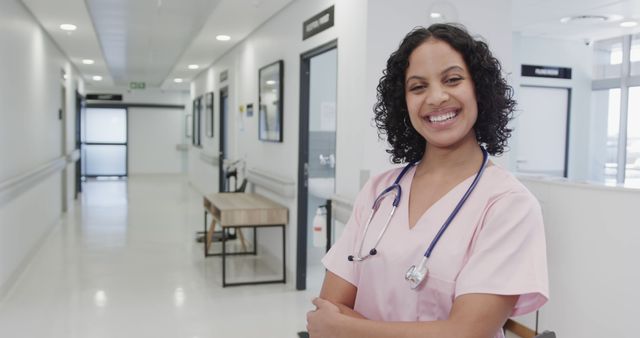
column 444, row 106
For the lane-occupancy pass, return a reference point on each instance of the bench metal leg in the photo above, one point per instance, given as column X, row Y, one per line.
column 224, row 255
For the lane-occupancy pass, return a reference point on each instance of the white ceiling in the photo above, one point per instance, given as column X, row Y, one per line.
column 143, row 39
column 151, row 41
column 542, row 18
column 154, row 41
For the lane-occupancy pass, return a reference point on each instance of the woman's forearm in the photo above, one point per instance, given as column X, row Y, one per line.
column 362, row 328
column 347, row 311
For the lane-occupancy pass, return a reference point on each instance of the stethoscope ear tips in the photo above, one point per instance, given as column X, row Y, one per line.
column 373, row 252
column 350, row 258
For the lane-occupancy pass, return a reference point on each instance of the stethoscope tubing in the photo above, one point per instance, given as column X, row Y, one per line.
column 443, row 228
column 395, row 187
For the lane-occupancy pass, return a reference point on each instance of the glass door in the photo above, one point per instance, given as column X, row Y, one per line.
column 104, row 142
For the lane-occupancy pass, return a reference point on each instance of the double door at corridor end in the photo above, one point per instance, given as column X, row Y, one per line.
column 104, row 142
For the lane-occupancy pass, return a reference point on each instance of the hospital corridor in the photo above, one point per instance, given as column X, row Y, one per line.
column 201, row 168
column 125, row 263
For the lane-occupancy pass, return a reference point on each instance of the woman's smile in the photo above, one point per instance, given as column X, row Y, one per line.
column 442, row 118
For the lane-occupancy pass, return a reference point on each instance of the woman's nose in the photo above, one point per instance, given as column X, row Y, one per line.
column 437, row 96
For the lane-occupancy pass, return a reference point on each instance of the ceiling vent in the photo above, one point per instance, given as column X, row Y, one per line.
column 590, row 19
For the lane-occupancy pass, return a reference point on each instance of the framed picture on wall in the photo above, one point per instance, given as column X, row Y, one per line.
column 189, row 126
column 197, row 122
column 208, row 115
column 270, row 90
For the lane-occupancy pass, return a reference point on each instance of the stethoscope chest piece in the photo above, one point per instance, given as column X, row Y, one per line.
column 417, row 274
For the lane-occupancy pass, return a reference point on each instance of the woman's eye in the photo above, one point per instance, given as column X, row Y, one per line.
column 453, row 80
column 417, row 88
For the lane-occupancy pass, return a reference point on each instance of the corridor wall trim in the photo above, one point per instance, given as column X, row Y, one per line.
column 272, row 182
column 17, row 185
column 341, row 207
column 210, row 159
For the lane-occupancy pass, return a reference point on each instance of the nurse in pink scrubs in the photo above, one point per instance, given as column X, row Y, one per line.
column 442, row 97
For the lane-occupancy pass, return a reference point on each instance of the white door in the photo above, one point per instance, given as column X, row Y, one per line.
column 541, row 130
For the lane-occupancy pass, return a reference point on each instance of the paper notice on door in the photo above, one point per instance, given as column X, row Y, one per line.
column 328, row 116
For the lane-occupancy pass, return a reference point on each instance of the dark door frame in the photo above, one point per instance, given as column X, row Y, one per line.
column 303, row 161
column 224, row 93
column 125, row 144
column 80, row 104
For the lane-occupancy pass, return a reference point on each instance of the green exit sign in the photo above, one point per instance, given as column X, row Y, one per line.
column 137, row 85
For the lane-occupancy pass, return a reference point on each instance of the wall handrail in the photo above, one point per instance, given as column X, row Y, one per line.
column 272, row 182
column 209, row 158
column 17, row 185
column 73, row 156
column 341, row 208
column 182, row 147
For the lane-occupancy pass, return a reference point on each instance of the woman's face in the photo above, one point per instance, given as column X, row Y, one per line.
column 440, row 95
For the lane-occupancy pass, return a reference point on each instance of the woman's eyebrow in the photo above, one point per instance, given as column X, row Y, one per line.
column 452, row 68
column 415, row 77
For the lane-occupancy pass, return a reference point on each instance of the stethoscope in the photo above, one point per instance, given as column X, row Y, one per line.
column 416, row 274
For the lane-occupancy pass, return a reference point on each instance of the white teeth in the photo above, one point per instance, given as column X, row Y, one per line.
column 443, row 117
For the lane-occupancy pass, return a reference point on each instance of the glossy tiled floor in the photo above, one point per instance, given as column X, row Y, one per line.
column 125, row 263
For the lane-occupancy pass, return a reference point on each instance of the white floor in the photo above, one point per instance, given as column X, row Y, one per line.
column 125, row 263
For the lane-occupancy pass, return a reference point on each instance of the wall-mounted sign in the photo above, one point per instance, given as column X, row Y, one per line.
column 317, row 23
column 546, row 71
column 250, row 110
column 137, row 85
column 224, row 75
column 105, row 97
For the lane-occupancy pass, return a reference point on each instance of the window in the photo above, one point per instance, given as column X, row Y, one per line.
column 632, row 172
column 608, row 59
column 635, row 55
column 616, row 105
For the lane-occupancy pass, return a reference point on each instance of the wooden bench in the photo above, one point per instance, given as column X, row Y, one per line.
column 243, row 210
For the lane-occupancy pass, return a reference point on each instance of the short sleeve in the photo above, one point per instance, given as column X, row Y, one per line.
column 508, row 254
column 336, row 259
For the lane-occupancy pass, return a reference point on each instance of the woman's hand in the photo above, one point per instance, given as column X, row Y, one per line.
column 324, row 321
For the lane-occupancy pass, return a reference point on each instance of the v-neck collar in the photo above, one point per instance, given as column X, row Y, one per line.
column 407, row 186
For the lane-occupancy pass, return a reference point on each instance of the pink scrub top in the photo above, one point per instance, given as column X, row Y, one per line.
column 495, row 245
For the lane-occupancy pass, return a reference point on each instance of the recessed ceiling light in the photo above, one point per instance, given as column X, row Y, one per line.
column 223, row 38
column 177, row 80
column 68, row 27
column 193, row 66
column 628, row 24
column 88, row 61
column 97, row 78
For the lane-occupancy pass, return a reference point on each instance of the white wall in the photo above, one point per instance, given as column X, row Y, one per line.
column 592, row 245
column 153, row 136
column 561, row 53
column 366, row 34
column 31, row 135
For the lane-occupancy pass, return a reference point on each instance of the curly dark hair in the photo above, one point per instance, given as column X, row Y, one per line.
column 493, row 94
